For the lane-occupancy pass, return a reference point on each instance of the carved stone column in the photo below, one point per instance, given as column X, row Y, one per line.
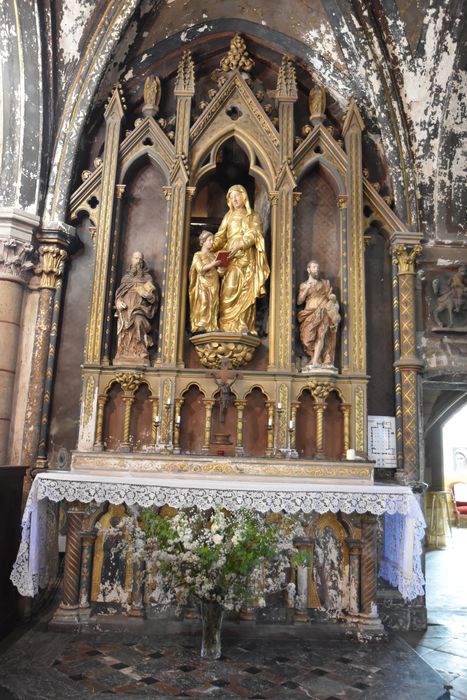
column 16, row 252
column 355, row 551
column 294, row 406
column 208, row 405
column 72, row 569
column 87, row 543
column 369, row 622
column 240, row 406
column 405, row 249
column 128, row 402
column 51, row 267
column 342, row 202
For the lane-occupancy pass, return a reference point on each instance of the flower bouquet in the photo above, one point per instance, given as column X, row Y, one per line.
column 221, row 559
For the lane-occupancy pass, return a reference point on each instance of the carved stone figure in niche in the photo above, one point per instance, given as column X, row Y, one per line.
column 204, row 287
column 241, row 234
column 319, row 319
column 135, row 304
column 453, row 299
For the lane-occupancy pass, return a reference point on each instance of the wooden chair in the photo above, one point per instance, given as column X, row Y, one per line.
column 459, row 491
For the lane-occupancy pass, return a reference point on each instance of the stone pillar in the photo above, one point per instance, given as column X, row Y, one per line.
column 16, row 251
column 208, row 405
column 405, row 249
column 240, row 406
column 369, row 625
column 355, row 551
column 72, row 569
column 137, row 590
column 51, row 267
column 86, row 569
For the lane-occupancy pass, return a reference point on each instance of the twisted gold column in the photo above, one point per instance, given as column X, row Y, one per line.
column 208, row 403
column 368, row 565
column 128, row 402
column 319, row 408
column 72, row 569
column 99, row 443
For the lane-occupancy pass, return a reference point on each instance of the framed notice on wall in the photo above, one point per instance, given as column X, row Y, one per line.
column 382, row 441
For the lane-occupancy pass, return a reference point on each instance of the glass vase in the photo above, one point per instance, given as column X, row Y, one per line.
column 211, row 618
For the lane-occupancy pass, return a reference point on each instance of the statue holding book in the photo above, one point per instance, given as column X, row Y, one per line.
column 241, row 235
column 227, row 276
column 240, row 263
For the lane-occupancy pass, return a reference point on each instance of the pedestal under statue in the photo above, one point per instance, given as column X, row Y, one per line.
column 243, row 269
column 319, row 321
column 135, row 304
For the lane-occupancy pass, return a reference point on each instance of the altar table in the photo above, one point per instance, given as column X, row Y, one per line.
column 404, row 521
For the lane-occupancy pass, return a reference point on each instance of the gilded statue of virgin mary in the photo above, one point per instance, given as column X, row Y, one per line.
column 241, row 234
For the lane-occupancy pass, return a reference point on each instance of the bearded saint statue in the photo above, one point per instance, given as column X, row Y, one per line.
column 135, row 304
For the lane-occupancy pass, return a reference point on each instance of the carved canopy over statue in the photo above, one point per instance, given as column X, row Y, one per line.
column 135, row 304
column 244, row 277
column 319, row 319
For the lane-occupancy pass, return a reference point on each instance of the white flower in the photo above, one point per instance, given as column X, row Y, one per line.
column 217, row 539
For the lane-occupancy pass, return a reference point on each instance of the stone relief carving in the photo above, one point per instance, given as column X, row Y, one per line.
column 450, row 307
column 17, row 258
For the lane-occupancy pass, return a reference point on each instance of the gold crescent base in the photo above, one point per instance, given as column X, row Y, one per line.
column 215, row 346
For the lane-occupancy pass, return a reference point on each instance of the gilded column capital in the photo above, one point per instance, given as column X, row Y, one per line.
column 120, row 191
column 320, row 391
column 129, row 381
column 405, row 257
column 51, row 265
column 342, row 201
column 273, row 197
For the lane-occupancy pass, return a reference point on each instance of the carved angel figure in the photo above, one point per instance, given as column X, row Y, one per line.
column 152, row 94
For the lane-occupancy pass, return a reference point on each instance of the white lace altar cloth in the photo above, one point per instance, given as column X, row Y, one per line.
column 404, row 522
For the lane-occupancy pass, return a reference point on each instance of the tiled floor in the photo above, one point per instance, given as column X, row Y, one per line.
column 314, row 661
column 444, row 644
column 258, row 662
